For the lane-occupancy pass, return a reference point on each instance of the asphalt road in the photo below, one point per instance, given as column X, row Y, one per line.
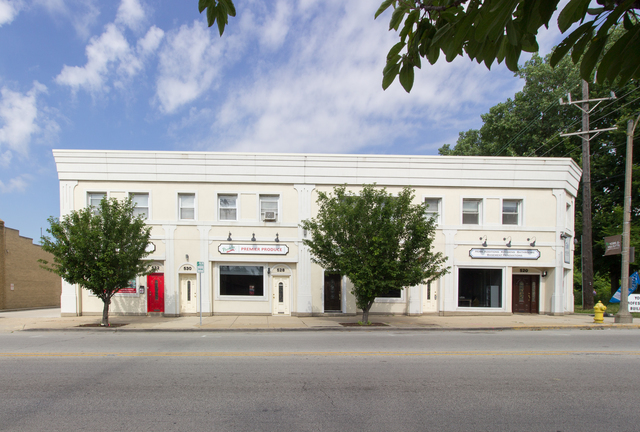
column 317, row 381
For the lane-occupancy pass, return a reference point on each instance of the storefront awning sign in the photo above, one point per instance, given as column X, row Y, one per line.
column 252, row 249
column 529, row 254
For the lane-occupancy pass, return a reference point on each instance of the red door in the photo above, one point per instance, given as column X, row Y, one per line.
column 155, row 292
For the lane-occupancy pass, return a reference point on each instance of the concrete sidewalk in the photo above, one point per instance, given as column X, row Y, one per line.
column 49, row 319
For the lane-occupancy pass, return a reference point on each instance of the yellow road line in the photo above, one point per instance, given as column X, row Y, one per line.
column 316, row 353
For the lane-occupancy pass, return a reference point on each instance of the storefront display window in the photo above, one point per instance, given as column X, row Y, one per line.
column 480, row 288
column 241, row 280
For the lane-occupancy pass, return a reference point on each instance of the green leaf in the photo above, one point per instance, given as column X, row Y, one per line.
column 512, row 57
column 222, row 20
column 512, row 33
column 389, row 74
column 383, row 7
column 397, row 16
column 574, row 11
column 395, row 50
column 563, row 48
column 406, row 77
column 579, row 47
column 591, row 57
column 202, row 5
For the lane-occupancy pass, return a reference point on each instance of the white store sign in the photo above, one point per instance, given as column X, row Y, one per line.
column 634, row 303
column 251, row 249
column 532, row 254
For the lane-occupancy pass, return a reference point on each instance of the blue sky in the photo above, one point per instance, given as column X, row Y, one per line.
column 287, row 76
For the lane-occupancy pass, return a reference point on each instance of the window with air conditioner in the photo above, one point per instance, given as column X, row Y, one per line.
column 269, row 208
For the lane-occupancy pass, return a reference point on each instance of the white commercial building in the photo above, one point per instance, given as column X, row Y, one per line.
column 506, row 226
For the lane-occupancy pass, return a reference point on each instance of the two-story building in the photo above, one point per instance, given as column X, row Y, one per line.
column 506, row 226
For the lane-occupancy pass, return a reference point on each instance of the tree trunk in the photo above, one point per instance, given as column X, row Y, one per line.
column 365, row 314
column 105, row 312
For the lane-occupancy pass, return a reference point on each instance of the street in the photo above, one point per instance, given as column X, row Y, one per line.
column 517, row 380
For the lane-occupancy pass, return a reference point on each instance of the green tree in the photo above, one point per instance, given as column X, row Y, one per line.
column 499, row 30
column 379, row 241
column 100, row 249
column 530, row 125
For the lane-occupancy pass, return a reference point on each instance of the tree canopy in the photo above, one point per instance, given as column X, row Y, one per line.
column 499, row 30
column 99, row 249
column 381, row 242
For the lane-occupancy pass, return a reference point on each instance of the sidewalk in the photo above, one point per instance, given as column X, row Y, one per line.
column 49, row 319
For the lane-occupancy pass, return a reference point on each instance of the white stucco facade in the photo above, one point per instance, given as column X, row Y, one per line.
column 506, row 226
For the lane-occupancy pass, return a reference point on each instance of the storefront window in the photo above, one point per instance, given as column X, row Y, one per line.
column 394, row 293
column 241, row 280
column 480, row 288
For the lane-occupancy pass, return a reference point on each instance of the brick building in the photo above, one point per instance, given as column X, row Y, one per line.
column 23, row 284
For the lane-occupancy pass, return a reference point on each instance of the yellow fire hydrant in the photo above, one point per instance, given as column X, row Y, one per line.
column 598, row 310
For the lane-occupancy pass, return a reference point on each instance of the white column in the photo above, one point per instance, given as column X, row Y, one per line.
column 171, row 292
column 557, row 306
column 70, row 299
column 447, row 301
column 303, row 284
column 205, row 277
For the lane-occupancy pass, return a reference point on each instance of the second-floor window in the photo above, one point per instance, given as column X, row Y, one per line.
column 93, row 200
column 433, row 208
column 141, row 202
column 511, row 212
column 471, row 210
column 228, row 207
column 269, row 208
column 187, row 204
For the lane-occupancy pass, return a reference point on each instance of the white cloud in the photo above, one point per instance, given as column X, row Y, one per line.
column 102, row 52
column 110, row 57
column 189, row 62
column 9, row 9
column 83, row 14
column 16, row 184
column 20, row 119
column 323, row 93
column 131, row 14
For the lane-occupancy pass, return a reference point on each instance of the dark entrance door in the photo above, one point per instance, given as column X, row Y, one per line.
column 525, row 294
column 155, row 292
column 332, row 292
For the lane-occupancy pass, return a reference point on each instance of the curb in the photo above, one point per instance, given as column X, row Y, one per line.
column 342, row 329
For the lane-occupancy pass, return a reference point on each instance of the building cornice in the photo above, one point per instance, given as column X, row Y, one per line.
column 318, row 169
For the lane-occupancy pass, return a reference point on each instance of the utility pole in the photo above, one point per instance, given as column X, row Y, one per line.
column 623, row 315
column 586, row 248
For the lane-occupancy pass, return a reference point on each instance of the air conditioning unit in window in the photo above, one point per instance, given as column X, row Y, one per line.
column 269, row 216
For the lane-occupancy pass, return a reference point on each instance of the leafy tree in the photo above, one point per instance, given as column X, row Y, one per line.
column 499, row 30
column 530, row 125
column 379, row 241
column 99, row 249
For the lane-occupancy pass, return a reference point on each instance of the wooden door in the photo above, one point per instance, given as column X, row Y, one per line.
column 332, row 292
column 155, row 292
column 525, row 294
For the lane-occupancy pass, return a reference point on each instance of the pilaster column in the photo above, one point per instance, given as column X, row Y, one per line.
column 303, row 286
column 70, row 298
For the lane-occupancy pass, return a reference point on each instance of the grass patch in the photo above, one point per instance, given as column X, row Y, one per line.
column 612, row 309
